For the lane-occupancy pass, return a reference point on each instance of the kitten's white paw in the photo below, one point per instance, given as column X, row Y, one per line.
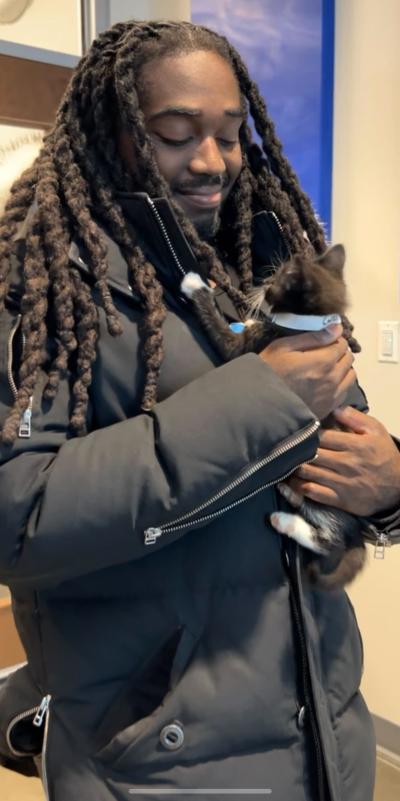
column 191, row 283
column 296, row 527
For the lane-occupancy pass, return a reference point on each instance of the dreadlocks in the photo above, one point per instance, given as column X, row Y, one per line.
column 74, row 183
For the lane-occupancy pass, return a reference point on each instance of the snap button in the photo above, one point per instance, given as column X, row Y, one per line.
column 172, row 736
column 301, row 717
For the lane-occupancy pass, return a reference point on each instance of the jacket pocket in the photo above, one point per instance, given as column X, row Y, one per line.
column 23, row 738
column 24, row 723
column 136, row 709
column 26, row 734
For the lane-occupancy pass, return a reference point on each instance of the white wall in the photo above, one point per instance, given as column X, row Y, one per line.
column 366, row 204
column 12, row 133
column 49, row 24
column 18, row 149
column 120, row 10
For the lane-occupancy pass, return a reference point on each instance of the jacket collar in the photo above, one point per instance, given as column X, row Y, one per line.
column 158, row 228
column 167, row 248
column 165, row 245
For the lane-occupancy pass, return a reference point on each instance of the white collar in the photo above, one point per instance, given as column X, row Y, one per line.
column 305, row 322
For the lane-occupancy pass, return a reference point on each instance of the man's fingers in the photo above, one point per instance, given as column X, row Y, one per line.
column 342, row 390
column 335, row 440
column 316, row 492
column 343, row 375
column 355, row 420
column 338, row 461
column 332, row 472
column 343, row 366
column 319, row 475
column 313, row 339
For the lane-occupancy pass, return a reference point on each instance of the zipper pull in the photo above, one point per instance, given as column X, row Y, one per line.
column 38, row 719
column 151, row 535
column 382, row 542
column 25, row 429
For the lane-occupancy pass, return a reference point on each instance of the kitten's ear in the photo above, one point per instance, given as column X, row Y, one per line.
column 333, row 259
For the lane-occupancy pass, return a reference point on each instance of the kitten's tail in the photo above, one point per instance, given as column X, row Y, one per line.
column 353, row 560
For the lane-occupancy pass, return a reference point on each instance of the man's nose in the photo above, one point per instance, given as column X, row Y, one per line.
column 208, row 158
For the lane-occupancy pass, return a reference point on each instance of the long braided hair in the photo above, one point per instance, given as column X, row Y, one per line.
column 74, row 183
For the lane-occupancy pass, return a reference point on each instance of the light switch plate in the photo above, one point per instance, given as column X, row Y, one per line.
column 388, row 340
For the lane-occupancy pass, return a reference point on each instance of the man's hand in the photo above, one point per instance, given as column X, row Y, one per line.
column 317, row 366
column 357, row 470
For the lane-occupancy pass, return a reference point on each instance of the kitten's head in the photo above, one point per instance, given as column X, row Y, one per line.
column 309, row 286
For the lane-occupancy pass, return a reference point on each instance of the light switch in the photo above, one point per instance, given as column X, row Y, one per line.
column 388, row 341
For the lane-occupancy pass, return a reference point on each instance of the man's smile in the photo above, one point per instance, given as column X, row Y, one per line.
column 202, row 198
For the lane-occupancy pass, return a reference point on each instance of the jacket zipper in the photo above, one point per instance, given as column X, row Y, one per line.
column 305, row 681
column 24, row 430
column 165, row 234
column 38, row 711
column 25, row 427
column 153, row 533
column 381, row 543
column 38, row 721
column 11, row 381
column 26, row 714
column 279, row 224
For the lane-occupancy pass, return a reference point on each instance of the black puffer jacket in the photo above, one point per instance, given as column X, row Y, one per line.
column 171, row 641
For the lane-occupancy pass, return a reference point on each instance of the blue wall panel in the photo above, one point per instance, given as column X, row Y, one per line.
column 288, row 48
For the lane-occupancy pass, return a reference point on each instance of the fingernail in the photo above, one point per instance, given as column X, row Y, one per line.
column 334, row 329
column 327, row 333
column 341, row 410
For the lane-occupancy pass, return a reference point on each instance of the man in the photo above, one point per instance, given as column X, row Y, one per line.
column 172, row 642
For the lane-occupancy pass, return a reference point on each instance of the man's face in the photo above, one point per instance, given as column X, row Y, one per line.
column 193, row 114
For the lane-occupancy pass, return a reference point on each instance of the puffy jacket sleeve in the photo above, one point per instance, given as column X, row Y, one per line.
column 70, row 506
column 386, row 524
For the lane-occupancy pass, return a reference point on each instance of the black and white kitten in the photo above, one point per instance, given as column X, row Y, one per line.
column 316, row 289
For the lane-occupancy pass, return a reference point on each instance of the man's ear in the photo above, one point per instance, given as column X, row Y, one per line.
column 333, row 259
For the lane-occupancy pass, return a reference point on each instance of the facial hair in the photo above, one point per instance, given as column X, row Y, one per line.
column 207, row 227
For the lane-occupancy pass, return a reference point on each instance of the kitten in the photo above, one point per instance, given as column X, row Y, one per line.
column 300, row 286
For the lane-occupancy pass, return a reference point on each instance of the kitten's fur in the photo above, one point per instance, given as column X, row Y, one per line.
column 300, row 286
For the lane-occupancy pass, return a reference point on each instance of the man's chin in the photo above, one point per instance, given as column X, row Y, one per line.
column 205, row 222
column 207, row 226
